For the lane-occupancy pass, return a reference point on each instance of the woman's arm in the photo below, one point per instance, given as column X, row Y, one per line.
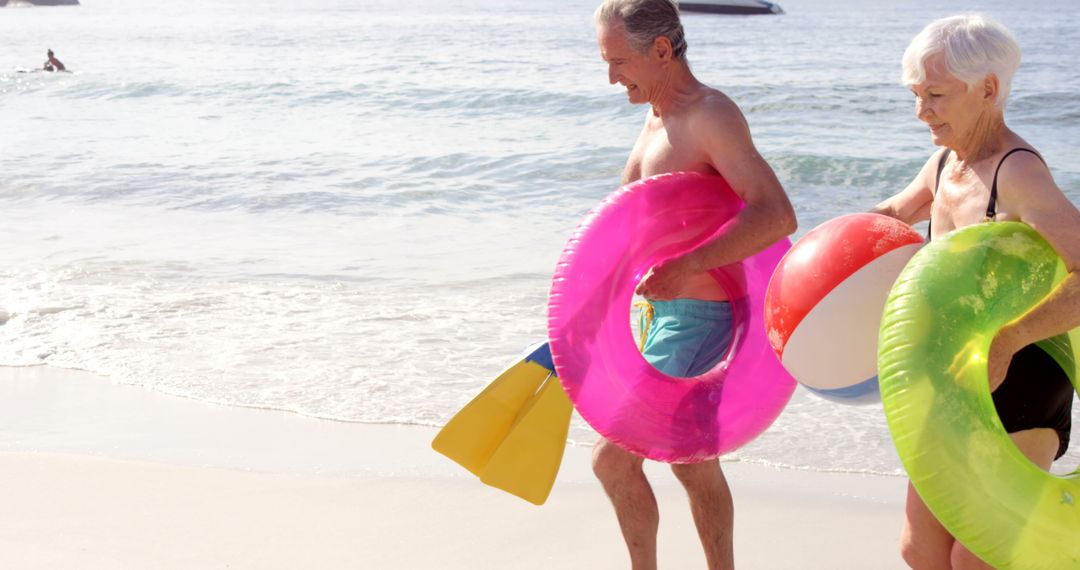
column 1028, row 189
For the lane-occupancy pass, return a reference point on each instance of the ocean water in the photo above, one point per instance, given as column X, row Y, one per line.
column 352, row 209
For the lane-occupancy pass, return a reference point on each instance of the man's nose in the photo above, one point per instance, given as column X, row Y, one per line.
column 612, row 76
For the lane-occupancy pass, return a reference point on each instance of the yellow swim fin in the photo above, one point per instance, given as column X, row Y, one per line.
column 472, row 435
column 527, row 461
column 513, row 434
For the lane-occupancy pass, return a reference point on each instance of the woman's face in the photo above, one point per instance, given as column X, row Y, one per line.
column 946, row 104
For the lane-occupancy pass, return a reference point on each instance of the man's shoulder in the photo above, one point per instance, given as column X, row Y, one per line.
column 716, row 113
column 715, row 101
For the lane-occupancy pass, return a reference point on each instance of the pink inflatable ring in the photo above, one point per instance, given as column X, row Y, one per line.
column 623, row 397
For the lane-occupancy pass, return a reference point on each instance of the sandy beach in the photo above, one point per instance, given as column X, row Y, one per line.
column 252, row 249
column 97, row 475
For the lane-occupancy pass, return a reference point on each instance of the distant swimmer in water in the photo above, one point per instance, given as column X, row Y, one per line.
column 53, row 64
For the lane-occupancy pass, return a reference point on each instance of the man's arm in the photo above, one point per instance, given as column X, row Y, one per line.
column 767, row 217
column 1029, row 190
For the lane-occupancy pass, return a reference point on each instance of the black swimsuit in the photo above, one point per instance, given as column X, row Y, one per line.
column 1036, row 392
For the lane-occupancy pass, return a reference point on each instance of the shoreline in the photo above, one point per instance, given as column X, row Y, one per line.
column 99, row 475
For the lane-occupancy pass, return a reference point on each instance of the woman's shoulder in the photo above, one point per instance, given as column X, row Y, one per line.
column 1015, row 148
column 1019, row 162
column 1023, row 179
column 931, row 169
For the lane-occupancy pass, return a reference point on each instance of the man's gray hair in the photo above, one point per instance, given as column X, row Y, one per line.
column 646, row 20
column 974, row 46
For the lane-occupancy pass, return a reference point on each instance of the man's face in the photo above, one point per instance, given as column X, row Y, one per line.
column 626, row 66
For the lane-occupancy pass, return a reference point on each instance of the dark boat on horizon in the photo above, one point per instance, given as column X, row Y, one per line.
column 38, row 3
column 735, row 7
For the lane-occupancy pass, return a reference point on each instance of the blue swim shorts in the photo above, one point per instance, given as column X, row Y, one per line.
column 686, row 337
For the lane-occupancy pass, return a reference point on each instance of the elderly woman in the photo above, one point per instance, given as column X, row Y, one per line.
column 960, row 69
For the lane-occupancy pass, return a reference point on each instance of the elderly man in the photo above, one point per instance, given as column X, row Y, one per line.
column 960, row 70
column 688, row 127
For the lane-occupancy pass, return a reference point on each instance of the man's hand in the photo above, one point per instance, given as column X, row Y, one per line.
column 666, row 279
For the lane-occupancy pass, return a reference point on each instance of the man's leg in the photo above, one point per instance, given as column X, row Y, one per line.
column 621, row 474
column 714, row 513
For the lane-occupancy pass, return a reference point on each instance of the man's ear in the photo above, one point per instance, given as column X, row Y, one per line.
column 662, row 48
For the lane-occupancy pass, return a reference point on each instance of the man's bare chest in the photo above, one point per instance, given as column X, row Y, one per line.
column 661, row 150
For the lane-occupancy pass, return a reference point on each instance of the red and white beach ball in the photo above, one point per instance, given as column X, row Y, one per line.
column 824, row 303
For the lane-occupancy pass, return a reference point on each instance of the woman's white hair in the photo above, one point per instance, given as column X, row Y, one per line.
column 974, row 46
column 646, row 20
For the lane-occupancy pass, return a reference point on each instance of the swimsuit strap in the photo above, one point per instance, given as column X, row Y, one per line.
column 937, row 184
column 991, row 207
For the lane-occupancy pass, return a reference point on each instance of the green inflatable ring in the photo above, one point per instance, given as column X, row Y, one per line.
column 942, row 313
